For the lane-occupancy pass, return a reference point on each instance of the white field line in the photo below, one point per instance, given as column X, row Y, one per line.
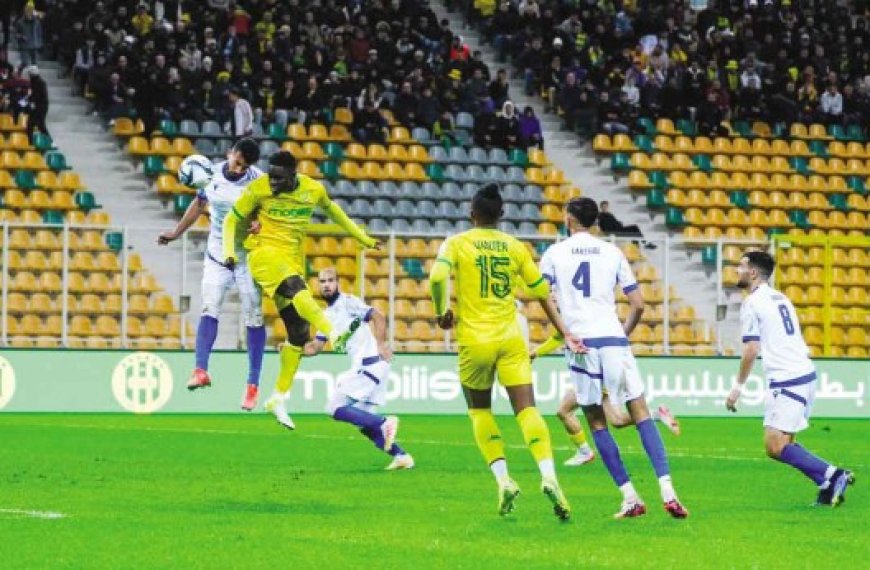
column 32, row 514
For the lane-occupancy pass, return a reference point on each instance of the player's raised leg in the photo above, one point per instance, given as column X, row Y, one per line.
column 252, row 310
column 216, row 279
column 566, row 414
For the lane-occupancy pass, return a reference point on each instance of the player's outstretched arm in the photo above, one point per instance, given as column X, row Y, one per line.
column 548, row 346
column 337, row 215
column 635, row 311
column 750, row 353
column 193, row 212
column 378, row 324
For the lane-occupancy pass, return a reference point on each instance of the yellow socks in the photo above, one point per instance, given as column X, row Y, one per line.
column 290, row 356
column 537, row 437
column 579, row 438
column 487, row 434
column 309, row 310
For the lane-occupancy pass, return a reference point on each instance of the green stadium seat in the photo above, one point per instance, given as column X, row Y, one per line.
column 644, row 143
column 837, row 132
column 655, row 199
column 658, row 179
column 702, row 161
column 856, row 183
column 56, row 161
column 743, row 129
column 674, row 217
column 276, row 132
column 52, row 217
column 819, row 148
column 114, row 241
column 334, row 151
column 152, row 166
column 181, row 202
column 329, row 168
column 168, row 128
column 687, row 127
column 619, row 163
column 708, row 255
column 25, row 180
column 647, row 126
column 799, row 218
column 799, row 164
column 42, row 142
column 740, row 199
column 518, row 157
column 435, row 172
column 838, row 201
column 780, row 131
column 414, row 268
column 776, row 232
column 855, row 133
column 86, row 201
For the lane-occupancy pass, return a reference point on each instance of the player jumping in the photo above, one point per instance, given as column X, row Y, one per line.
column 284, row 202
column 769, row 323
column 230, row 178
column 488, row 265
column 360, row 390
column 584, row 270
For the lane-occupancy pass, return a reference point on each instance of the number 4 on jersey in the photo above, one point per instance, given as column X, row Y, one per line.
column 581, row 279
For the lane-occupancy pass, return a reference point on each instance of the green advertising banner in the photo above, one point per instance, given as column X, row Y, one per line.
column 149, row 382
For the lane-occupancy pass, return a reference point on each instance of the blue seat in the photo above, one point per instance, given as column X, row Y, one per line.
column 421, row 134
column 405, row 209
column 401, row 225
column 388, row 189
column 367, row 188
column 452, row 191
column 468, row 190
column 507, row 227
column 268, row 148
column 432, row 190
column 448, row 210
column 495, row 173
column 188, row 128
column 534, row 193
column 211, row 129
column 409, row 189
column 458, row 155
column 512, row 211
column 438, row 154
column 382, row 208
column 205, row 147
column 456, row 173
column 344, row 188
column 378, row 225
column 464, row 121
column 422, row 226
column 527, row 229
column 478, row 155
column 223, row 146
column 515, row 174
column 462, row 225
column 512, row 193
column 361, row 207
column 499, row 156
column 476, row 173
column 531, row 213
column 427, row 209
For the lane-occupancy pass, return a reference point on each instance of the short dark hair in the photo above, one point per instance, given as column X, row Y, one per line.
column 283, row 159
column 249, row 150
column 487, row 204
column 584, row 210
column 762, row 261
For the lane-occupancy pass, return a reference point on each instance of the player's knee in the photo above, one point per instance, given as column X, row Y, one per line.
column 254, row 318
column 291, row 286
column 773, row 448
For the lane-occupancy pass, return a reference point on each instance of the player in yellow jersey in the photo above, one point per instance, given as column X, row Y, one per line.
column 488, row 265
column 283, row 202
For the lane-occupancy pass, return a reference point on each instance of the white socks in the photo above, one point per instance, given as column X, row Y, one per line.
column 667, row 488
column 628, row 492
column 499, row 469
column 548, row 469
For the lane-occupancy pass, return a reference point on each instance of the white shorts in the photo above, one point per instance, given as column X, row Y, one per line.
column 364, row 387
column 217, row 280
column 610, row 368
column 787, row 408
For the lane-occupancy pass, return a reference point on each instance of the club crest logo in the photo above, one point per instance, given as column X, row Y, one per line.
column 7, row 382
column 142, row 383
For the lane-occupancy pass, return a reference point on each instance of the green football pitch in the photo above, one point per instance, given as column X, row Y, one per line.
column 221, row 491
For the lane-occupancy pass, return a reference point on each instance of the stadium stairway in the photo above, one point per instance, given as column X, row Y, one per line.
column 123, row 191
column 568, row 153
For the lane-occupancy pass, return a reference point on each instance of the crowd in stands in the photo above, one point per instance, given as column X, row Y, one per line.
column 601, row 65
column 292, row 61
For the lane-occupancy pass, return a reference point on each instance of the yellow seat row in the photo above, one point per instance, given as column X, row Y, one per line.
column 140, row 146
column 796, row 275
column 371, row 170
column 741, row 181
column 851, row 257
column 392, row 153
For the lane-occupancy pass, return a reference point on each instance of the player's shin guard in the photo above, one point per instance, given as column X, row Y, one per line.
column 206, row 333
column 609, row 452
column 309, row 310
column 654, row 446
column 486, row 434
column 256, row 348
column 535, row 434
column 801, row 459
column 290, row 356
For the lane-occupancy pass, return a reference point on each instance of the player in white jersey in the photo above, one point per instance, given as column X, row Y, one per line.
column 230, row 178
column 770, row 325
column 584, row 270
column 360, row 390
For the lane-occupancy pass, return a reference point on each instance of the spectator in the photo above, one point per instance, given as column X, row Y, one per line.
column 831, row 105
column 485, row 130
column 610, row 114
column 243, row 116
column 28, row 34
column 507, row 127
column 498, row 89
column 444, row 129
column 530, row 129
column 85, row 58
column 38, row 103
column 608, row 224
column 369, row 126
column 569, row 101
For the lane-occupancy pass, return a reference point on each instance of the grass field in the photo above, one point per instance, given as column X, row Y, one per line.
column 238, row 492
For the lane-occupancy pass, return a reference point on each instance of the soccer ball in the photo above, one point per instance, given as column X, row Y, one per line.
column 195, row 171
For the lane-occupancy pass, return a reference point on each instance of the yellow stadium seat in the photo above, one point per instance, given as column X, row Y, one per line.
column 309, row 168
column 761, row 147
column 601, row 144
column 182, row 147
column 343, row 115
column 641, row 161
column 399, row 134
column 318, row 133
column 377, row 152
column 11, row 160
column 819, row 132
column 296, row 131
column 668, row 145
column 125, row 127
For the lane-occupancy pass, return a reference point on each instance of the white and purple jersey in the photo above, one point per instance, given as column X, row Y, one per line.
column 362, row 347
column 768, row 316
column 584, row 271
column 221, row 193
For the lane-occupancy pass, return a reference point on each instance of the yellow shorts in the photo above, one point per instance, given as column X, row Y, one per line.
column 508, row 358
column 270, row 267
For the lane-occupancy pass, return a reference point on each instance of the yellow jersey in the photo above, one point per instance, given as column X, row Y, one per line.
column 284, row 218
column 488, row 265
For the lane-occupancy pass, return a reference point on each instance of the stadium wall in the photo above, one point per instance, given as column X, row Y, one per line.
column 148, row 382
